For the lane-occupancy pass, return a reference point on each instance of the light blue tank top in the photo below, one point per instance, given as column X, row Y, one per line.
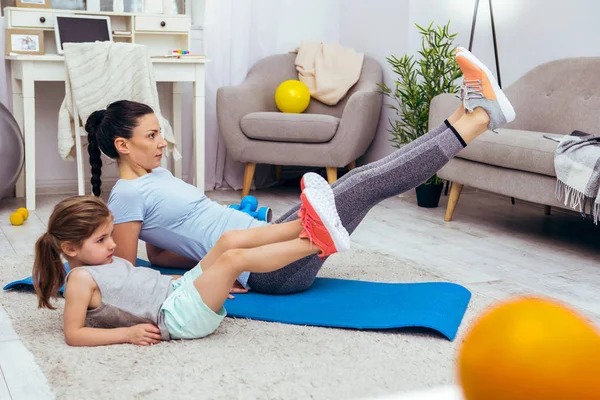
column 175, row 215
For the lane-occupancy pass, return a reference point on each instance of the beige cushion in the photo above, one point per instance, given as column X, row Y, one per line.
column 515, row 149
column 283, row 127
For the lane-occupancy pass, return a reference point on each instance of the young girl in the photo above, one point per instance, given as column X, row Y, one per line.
column 137, row 305
column 180, row 224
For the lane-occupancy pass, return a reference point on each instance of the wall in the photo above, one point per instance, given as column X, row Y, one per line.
column 526, row 35
column 380, row 28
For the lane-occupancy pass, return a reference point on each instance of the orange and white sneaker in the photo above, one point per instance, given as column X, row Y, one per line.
column 460, row 49
column 314, row 180
column 321, row 223
column 480, row 89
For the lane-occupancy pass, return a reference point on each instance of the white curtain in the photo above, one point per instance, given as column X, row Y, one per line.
column 4, row 71
column 238, row 33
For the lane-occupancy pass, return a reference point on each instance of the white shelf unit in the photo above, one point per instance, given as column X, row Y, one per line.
column 162, row 33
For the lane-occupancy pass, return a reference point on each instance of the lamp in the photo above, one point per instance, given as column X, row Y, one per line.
column 493, row 36
column 512, row 199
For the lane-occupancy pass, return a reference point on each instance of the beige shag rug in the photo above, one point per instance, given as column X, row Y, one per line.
column 245, row 359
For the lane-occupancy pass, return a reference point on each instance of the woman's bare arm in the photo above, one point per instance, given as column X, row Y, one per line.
column 126, row 237
column 164, row 258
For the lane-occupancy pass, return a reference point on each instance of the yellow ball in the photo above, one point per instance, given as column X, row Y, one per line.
column 16, row 218
column 292, row 96
column 530, row 349
column 24, row 212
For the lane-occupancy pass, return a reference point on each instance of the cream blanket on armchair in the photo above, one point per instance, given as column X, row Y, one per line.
column 329, row 70
column 100, row 73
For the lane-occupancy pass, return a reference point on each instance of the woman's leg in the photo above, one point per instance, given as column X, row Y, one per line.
column 457, row 115
column 404, row 169
column 360, row 191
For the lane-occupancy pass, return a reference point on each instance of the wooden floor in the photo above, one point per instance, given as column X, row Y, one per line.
column 492, row 247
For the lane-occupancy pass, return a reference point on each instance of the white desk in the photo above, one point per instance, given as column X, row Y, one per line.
column 26, row 70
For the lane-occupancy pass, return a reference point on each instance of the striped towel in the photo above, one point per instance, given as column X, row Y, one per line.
column 103, row 72
column 577, row 165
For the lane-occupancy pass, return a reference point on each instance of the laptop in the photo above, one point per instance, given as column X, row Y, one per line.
column 81, row 29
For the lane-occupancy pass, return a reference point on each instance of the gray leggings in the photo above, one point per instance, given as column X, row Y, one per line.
column 361, row 189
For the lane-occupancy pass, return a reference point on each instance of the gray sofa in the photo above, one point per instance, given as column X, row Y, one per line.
column 254, row 131
column 555, row 98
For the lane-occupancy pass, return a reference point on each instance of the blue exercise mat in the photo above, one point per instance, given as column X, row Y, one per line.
column 349, row 304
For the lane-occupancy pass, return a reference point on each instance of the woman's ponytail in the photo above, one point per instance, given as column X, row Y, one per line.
column 104, row 126
column 92, row 126
column 48, row 270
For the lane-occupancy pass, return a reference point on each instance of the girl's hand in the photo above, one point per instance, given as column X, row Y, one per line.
column 143, row 334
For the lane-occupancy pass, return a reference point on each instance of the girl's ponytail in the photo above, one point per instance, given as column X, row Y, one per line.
column 72, row 221
column 92, row 126
column 48, row 270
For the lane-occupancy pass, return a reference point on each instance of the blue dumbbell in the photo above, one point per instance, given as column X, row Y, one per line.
column 249, row 204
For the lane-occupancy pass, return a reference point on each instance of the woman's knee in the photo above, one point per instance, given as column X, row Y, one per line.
column 271, row 283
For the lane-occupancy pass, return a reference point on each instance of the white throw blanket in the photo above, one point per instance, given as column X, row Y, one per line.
column 329, row 70
column 103, row 72
column 577, row 165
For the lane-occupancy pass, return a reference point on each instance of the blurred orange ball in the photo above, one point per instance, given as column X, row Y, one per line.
column 530, row 349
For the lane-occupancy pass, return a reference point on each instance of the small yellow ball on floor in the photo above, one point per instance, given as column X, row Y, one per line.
column 16, row 218
column 24, row 212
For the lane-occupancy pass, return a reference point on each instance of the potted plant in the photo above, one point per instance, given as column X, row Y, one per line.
column 417, row 83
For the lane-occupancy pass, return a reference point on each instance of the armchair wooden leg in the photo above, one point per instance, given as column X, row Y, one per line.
column 248, row 176
column 453, row 200
column 331, row 174
column 547, row 210
column 278, row 173
column 352, row 165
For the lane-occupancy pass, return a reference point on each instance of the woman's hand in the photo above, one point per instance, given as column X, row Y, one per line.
column 237, row 288
column 143, row 334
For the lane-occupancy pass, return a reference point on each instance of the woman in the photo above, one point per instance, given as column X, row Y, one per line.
column 180, row 224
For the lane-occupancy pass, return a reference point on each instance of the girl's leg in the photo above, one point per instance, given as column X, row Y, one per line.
column 360, row 191
column 215, row 282
column 254, row 237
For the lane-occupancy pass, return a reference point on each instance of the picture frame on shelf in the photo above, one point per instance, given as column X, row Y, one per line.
column 34, row 3
column 24, row 41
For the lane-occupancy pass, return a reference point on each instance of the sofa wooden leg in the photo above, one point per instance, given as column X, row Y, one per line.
column 248, row 176
column 278, row 173
column 331, row 174
column 352, row 165
column 547, row 210
column 453, row 200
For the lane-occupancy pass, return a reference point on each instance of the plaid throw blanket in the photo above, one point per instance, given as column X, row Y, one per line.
column 577, row 165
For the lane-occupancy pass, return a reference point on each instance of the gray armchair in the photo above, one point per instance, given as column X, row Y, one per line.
column 255, row 131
